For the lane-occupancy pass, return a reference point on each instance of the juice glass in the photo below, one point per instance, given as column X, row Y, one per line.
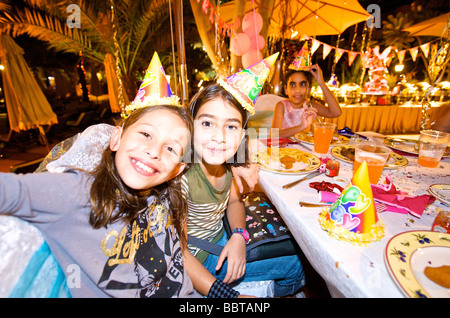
column 375, row 156
column 432, row 145
column 323, row 133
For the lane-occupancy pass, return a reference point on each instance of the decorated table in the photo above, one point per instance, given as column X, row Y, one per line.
column 351, row 270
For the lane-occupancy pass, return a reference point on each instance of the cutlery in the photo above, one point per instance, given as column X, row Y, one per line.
column 308, row 176
column 380, row 207
column 313, row 205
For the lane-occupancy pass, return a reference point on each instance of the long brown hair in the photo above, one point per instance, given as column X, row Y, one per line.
column 211, row 92
column 114, row 201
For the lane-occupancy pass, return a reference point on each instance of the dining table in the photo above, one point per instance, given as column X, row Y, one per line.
column 351, row 270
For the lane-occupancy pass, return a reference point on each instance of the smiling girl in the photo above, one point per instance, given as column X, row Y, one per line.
column 122, row 225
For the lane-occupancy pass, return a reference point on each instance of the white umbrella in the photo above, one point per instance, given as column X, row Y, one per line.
column 26, row 104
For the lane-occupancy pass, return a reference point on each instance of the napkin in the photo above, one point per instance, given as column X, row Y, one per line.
column 277, row 141
column 399, row 201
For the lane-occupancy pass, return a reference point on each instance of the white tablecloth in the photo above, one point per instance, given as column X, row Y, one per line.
column 350, row 270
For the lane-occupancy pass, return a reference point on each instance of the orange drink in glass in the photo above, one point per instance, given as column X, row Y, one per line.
column 323, row 133
column 432, row 145
column 375, row 156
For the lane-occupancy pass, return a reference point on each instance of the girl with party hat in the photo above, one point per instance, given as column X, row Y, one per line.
column 220, row 113
column 295, row 114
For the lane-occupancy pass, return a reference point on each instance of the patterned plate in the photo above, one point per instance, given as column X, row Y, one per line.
column 347, row 153
column 408, row 254
column 276, row 160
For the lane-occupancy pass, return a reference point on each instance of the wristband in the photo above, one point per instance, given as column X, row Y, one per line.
column 243, row 232
column 221, row 290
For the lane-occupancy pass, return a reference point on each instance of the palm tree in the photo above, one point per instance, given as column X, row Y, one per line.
column 129, row 30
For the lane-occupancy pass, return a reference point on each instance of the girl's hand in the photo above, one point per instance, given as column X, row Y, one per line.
column 308, row 117
column 235, row 253
column 316, row 71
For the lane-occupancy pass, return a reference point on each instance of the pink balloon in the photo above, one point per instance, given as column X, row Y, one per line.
column 239, row 44
column 251, row 57
column 252, row 23
column 257, row 42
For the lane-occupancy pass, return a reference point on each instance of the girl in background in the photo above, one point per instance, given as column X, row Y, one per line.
column 296, row 113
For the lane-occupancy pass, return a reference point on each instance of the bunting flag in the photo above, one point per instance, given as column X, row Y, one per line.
column 351, row 57
column 338, row 54
column 413, row 51
column 401, row 56
column 425, row 49
column 315, row 46
column 326, row 50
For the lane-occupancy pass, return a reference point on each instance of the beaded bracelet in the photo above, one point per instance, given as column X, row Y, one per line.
column 221, row 290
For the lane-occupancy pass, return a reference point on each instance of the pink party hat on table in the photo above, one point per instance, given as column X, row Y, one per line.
column 353, row 216
column 154, row 89
column 246, row 85
column 302, row 60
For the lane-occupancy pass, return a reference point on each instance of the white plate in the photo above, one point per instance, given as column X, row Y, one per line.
column 262, row 157
column 408, row 254
column 441, row 192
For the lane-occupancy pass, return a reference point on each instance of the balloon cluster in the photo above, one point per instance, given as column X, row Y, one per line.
column 249, row 43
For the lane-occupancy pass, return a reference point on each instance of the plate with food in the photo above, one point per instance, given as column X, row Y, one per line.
column 285, row 160
column 347, row 153
column 308, row 138
column 419, row 262
column 407, row 145
column 441, row 192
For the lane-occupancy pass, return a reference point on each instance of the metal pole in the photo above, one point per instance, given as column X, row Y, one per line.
column 178, row 15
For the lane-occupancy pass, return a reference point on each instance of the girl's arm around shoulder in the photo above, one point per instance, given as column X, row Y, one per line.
column 42, row 197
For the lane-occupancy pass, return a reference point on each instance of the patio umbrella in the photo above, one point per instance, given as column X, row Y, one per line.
column 437, row 26
column 26, row 104
column 309, row 17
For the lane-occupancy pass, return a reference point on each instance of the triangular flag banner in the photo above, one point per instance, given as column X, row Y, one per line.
column 315, row 45
column 413, row 51
column 246, row 85
column 401, row 56
column 425, row 49
column 353, row 216
column 338, row 55
column 326, row 50
column 351, row 57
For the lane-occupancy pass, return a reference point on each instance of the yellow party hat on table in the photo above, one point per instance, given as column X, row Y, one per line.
column 246, row 85
column 353, row 216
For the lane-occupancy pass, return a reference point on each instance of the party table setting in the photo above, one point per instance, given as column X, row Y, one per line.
column 370, row 212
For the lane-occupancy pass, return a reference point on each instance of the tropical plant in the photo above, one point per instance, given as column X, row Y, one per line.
column 393, row 34
column 130, row 30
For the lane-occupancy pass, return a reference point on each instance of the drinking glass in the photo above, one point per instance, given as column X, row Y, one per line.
column 323, row 133
column 432, row 145
column 375, row 156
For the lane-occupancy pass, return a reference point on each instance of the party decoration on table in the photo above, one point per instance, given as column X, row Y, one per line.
column 154, row 89
column 353, row 216
column 399, row 201
column 246, row 85
column 302, row 61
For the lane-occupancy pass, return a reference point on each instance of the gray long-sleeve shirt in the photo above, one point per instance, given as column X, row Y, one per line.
column 141, row 259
